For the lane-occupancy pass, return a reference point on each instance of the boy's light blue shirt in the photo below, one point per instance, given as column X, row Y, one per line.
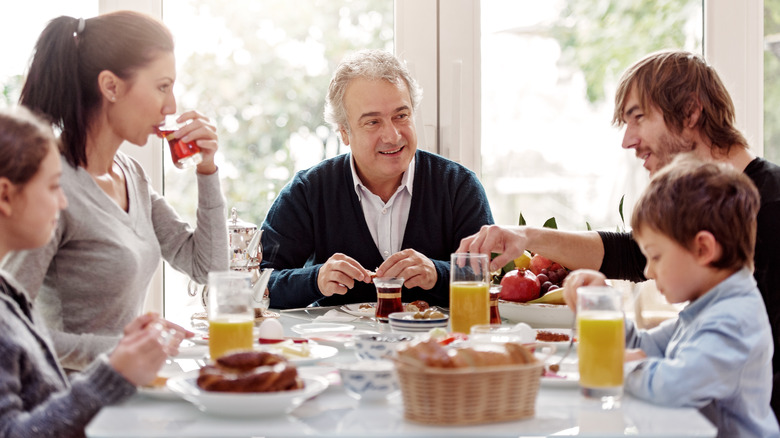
column 715, row 356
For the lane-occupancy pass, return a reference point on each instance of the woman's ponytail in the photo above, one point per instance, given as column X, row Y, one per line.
column 53, row 87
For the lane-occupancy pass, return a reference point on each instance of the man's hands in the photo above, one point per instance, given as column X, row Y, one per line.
column 339, row 273
column 416, row 269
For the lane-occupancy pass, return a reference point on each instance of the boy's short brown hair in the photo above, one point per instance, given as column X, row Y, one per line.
column 689, row 196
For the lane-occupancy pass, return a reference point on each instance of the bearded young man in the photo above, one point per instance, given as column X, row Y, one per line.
column 669, row 102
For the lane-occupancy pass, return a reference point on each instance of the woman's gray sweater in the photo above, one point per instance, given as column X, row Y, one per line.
column 92, row 278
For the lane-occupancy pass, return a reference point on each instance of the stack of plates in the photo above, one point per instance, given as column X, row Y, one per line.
column 405, row 322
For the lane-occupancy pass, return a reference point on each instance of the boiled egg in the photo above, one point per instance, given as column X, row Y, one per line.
column 271, row 329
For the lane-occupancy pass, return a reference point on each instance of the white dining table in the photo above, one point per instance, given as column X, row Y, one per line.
column 560, row 410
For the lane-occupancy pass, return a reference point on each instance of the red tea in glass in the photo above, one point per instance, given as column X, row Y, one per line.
column 495, row 317
column 183, row 154
column 388, row 294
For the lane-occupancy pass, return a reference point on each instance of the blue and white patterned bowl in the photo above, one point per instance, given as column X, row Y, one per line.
column 378, row 346
column 405, row 322
column 369, row 380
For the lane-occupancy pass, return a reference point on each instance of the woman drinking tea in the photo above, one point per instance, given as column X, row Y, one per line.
column 103, row 81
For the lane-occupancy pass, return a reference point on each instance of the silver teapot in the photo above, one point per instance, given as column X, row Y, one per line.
column 246, row 253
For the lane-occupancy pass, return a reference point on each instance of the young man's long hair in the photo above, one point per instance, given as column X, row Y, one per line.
column 674, row 82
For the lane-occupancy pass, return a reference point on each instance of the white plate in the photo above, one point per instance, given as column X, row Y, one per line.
column 171, row 368
column 199, row 339
column 321, row 327
column 340, row 340
column 567, row 380
column 569, row 371
column 537, row 315
column 561, row 345
column 160, row 393
column 246, row 404
column 355, row 310
column 316, row 353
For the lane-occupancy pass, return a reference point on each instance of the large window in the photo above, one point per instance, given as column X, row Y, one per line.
column 772, row 80
column 24, row 22
column 536, row 102
column 549, row 72
column 260, row 69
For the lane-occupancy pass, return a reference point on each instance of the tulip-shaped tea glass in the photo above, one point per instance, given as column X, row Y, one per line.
column 602, row 342
column 495, row 294
column 231, row 313
column 388, row 297
column 183, row 154
column 469, row 296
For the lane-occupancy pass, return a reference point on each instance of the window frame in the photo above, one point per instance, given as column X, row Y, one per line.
column 445, row 58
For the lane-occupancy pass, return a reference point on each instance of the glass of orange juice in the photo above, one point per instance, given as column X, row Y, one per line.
column 602, row 342
column 469, row 291
column 230, row 311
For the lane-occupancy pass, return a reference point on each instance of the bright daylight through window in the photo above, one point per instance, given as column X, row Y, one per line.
column 549, row 71
column 547, row 82
column 261, row 71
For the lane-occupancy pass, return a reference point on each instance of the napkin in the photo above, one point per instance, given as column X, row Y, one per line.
column 334, row 315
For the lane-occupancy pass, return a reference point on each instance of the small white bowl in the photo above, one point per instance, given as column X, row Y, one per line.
column 378, row 346
column 369, row 380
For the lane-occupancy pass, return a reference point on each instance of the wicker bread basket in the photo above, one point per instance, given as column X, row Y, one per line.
column 458, row 396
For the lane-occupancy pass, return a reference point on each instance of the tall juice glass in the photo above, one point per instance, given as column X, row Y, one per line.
column 469, row 296
column 231, row 313
column 602, row 342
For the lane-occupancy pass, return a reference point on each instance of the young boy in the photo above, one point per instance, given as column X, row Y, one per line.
column 696, row 224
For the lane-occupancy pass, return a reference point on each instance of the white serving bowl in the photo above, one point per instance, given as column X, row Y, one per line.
column 537, row 315
column 369, row 380
column 405, row 322
column 378, row 346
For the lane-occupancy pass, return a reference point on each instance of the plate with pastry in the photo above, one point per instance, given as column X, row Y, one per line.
column 247, row 384
column 566, row 376
column 158, row 387
column 300, row 353
column 369, row 309
column 559, row 337
column 360, row 309
column 418, row 321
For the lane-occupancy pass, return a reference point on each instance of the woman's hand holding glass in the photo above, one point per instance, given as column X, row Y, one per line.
column 201, row 130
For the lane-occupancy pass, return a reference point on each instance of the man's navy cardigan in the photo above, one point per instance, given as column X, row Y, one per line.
column 318, row 214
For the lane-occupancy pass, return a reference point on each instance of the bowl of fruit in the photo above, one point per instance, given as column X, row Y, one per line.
column 532, row 293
